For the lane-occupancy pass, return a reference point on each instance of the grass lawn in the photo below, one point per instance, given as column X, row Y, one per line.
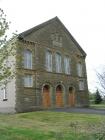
column 98, row 106
column 46, row 125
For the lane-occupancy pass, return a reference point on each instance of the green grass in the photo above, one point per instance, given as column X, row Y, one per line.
column 98, row 106
column 45, row 125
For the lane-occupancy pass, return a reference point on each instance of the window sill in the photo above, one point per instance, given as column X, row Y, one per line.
column 81, row 90
column 29, row 87
column 80, row 76
column 53, row 72
column 27, row 68
column 5, row 99
column 49, row 71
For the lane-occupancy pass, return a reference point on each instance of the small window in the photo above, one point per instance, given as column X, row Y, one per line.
column 48, row 61
column 67, row 64
column 28, row 81
column 27, row 59
column 4, row 93
column 81, row 85
column 79, row 69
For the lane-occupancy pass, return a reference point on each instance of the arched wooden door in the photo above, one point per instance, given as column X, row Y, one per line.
column 59, row 96
column 46, row 96
column 71, row 96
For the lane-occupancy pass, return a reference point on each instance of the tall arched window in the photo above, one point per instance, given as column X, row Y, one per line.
column 58, row 62
column 49, row 60
column 79, row 69
column 67, row 64
column 27, row 59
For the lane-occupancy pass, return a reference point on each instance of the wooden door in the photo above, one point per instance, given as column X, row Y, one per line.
column 71, row 96
column 46, row 96
column 59, row 97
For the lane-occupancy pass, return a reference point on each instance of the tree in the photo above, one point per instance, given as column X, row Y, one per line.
column 91, row 97
column 101, row 78
column 98, row 98
column 6, row 50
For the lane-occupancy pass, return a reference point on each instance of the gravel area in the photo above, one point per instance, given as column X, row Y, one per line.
column 81, row 110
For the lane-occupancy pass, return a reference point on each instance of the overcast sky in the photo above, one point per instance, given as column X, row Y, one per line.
column 85, row 19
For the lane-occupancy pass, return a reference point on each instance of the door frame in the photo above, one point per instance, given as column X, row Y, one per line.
column 73, row 96
column 63, row 93
column 50, row 93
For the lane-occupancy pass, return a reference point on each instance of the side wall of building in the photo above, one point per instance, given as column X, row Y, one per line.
column 8, row 91
column 7, row 105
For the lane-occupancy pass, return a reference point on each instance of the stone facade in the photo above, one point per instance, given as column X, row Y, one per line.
column 50, row 89
column 39, row 40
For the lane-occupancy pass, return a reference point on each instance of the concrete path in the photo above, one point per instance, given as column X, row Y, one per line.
column 81, row 110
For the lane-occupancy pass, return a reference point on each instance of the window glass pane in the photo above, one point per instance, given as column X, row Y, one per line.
column 28, row 81
column 67, row 65
column 49, row 61
column 79, row 69
column 81, row 85
column 58, row 63
column 4, row 92
column 28, row 59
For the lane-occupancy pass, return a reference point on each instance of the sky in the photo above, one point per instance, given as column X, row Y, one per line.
column 85, row 19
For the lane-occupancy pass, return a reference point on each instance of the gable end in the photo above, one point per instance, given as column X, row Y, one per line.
column 22, row 35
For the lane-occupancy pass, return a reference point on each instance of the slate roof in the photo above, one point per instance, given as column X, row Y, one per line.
column 27, row 32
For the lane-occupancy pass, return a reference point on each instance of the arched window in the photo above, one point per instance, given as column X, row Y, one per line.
column 81, row 85
column 79, row 69
column 67, row 64
column 49, row 61
column 27, row 59
column 58, row 63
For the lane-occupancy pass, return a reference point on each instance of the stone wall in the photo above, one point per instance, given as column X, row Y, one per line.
column 28, row 99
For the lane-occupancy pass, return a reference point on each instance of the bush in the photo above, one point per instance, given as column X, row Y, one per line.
column 98, row 98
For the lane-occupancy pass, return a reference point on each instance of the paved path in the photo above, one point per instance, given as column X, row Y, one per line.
column 81, row 110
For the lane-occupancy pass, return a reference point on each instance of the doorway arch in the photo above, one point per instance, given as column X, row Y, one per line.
column 59, row 96
column 71, row 96
column 46, row 99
